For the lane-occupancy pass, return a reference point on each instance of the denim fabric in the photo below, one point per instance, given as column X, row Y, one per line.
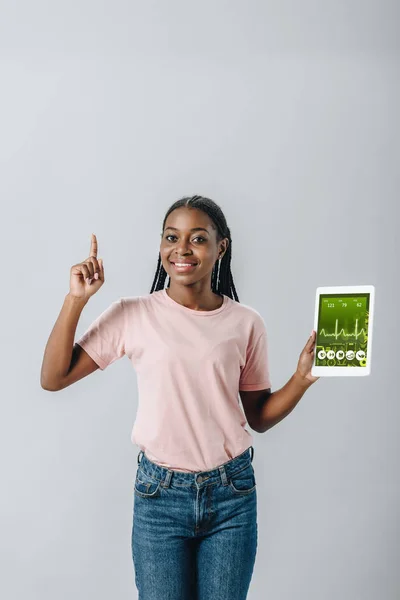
column 194, row 535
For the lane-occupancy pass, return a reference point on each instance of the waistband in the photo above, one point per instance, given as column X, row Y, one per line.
column 222, row 472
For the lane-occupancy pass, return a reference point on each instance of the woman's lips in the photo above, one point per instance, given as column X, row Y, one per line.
column 184, row 269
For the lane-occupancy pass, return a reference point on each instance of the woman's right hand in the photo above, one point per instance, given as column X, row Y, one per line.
column 82, row 283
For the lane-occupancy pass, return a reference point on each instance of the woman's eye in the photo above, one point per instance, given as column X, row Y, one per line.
column 196, row 238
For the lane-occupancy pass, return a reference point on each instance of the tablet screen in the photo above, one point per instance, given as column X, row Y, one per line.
column 342, row 331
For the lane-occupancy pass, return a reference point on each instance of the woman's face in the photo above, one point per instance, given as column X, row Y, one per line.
column 180, row 244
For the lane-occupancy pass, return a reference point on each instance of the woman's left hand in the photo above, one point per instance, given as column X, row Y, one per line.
column 306, row 360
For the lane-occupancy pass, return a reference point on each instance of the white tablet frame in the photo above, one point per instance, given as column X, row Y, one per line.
column 318, row 371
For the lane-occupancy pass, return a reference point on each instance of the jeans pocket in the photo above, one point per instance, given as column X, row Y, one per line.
column 145, row 485
column 243, row 482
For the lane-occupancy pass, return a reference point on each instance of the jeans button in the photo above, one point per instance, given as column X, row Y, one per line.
column 199, row 479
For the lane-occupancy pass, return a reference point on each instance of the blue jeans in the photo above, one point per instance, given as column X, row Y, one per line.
column 194, row 535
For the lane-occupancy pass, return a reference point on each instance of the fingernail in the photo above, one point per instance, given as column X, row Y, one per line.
column 96, row 275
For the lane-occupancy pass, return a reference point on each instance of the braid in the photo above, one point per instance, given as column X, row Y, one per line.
column 221, row 277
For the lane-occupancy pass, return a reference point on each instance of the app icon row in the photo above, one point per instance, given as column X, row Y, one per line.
column 350, row 354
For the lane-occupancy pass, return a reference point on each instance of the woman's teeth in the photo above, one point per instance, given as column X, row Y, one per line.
column 184, row 266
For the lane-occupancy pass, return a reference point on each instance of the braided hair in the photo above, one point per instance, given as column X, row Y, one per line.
column 221, row 278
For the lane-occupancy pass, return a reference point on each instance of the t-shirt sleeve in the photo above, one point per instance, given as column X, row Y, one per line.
column 255, row 374
column 104, row 340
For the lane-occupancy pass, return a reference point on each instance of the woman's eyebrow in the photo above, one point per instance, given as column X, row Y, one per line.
column 193, row 229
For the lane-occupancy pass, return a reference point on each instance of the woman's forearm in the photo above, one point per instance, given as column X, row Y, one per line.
column 58, row 351
column 281, row 402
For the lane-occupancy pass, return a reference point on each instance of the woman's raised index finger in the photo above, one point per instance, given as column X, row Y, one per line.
column 93, row 246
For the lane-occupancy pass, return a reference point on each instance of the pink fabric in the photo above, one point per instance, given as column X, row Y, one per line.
column 190, row 366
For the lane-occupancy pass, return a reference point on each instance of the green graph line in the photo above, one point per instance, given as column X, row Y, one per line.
column 342, row 332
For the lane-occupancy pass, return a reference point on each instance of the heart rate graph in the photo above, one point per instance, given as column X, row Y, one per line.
column 342, row 332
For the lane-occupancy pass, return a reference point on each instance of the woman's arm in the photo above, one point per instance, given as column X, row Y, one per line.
column 58, row 352
column 281, row 402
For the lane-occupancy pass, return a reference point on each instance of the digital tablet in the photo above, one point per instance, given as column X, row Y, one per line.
column 343, row 321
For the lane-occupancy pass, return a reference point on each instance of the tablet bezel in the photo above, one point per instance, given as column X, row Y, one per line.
column 318, row 371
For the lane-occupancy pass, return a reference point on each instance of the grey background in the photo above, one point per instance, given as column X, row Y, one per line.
column 285, row 114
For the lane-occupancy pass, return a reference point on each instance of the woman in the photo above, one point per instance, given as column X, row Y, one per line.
column 194, row 348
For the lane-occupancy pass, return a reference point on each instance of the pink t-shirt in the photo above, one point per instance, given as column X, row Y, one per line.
column 190, row 366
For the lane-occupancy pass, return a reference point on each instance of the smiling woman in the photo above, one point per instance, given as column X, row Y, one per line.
column 202, row 349
column 195, row 348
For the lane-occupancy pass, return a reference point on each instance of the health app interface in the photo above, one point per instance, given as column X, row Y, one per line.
column 342, row 331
